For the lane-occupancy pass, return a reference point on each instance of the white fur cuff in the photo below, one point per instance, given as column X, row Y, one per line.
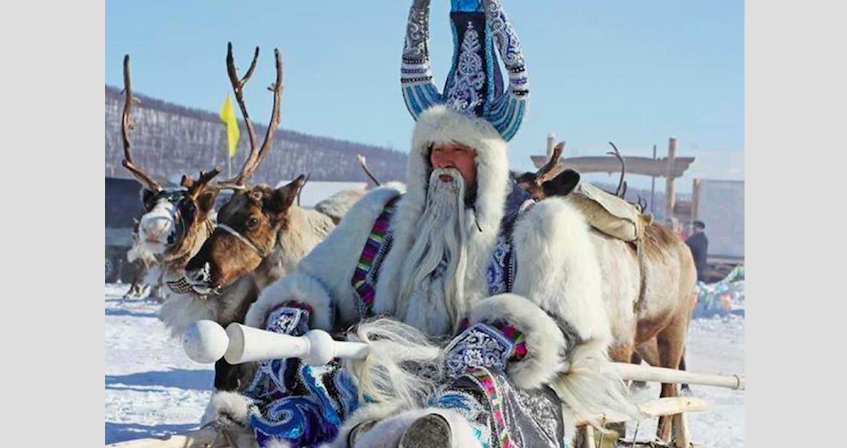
column 297, row 287
column 392, row 426
column 226, row 408
column 368, row 413
column 545, row 342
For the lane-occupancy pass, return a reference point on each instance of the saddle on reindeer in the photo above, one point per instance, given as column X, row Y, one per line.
column 481, row 308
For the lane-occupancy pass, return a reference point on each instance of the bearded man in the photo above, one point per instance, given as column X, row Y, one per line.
column 498, row 333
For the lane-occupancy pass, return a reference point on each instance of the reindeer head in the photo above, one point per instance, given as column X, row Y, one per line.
column 174, row 217
column 246, row 234
column 248, row 224
column 550, row 179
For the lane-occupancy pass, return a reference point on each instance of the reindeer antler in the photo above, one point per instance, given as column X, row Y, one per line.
column 642, row 204
column 364, row 164
column 257, row 155
column 126, row 126
column 547, row 171
column 621, row 190
column 533, row 181
column 196, row 188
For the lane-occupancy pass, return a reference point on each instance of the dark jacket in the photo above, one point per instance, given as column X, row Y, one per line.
column 699, row 245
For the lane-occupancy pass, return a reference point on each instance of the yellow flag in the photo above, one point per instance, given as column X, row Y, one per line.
column 228, row 117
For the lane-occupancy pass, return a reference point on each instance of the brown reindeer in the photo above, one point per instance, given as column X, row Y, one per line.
column 176, row 221
column 187, row 304
column 177, row 238
column 648, row 303
column 260, row 235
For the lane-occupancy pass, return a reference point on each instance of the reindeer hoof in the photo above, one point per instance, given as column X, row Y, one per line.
column 429, row 431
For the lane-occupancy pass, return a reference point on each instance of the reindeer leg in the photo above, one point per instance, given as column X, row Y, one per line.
column 620, row 353
column 684, row 388
column 671, row 345
column 649, row 353
column 224, row 373
column 636, row 359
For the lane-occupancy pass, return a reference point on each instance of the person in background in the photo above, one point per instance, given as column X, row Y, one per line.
column 699, row 245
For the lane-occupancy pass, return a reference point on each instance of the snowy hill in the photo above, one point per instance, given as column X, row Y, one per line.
column 172, row 140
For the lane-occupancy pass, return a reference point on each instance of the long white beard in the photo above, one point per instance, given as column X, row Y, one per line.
column 437, row 305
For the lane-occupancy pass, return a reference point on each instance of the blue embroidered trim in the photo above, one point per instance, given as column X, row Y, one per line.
column 479, row 346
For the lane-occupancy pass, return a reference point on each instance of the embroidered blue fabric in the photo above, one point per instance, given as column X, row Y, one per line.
column 528, row 418
column 302, row 405
column 466, row 405
column 478, row 389
column 466, row 5
column 480, row 345
column 502, row 268
column 317, row 402
column 481, row 32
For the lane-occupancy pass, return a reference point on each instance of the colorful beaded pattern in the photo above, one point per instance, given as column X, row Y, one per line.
column 376, row 247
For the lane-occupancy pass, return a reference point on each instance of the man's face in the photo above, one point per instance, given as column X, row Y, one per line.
column 455, row 155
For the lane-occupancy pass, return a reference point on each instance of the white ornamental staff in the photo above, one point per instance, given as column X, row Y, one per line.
column 206, row 342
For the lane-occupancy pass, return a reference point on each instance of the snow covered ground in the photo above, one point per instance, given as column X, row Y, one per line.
column 153, row 389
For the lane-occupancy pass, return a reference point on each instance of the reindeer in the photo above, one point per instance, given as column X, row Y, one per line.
column 177, row 220
column 142, row 262
column 649, row 304
column 260, row 235
column 188, row 304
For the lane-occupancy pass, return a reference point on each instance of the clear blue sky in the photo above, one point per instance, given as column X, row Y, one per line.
column 635, row 73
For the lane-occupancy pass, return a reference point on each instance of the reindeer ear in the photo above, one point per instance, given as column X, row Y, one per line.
column 562, row 184
column 206, row 200
column 283, row 197
column 187, row 181
column 146, row 195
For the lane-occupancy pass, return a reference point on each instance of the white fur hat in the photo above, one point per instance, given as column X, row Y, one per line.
column 441, row 124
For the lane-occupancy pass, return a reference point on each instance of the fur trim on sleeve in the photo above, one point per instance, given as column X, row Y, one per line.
column 545, row 342
column 298, row 287
column 225, row 407
column 371, row 412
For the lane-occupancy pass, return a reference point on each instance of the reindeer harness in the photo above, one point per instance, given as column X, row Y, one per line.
column 255, row 247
